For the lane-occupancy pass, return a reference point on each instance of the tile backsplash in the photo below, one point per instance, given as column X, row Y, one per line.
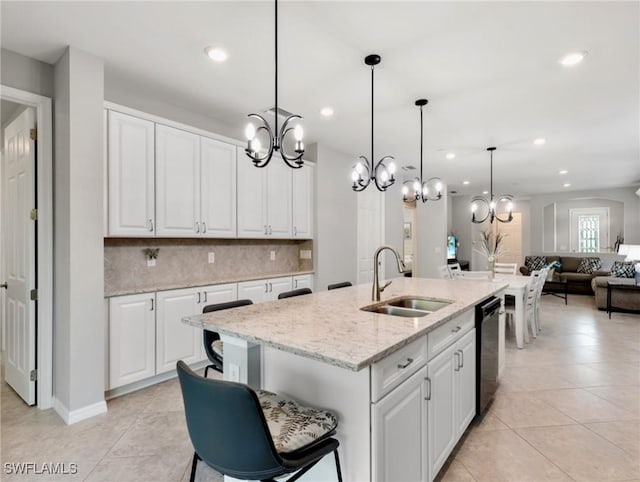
column 184, row 262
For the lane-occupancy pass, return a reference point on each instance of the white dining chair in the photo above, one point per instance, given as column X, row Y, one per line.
column 531, row 316
column 444, row 272
column 473, row 275
column 453, row 268
column 505, row 268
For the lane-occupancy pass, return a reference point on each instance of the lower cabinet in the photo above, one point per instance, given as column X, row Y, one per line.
column 452, row 398
column 399, row 431
column 259, row 291
column 132, row 338
column 303, row 281
column 146, row 333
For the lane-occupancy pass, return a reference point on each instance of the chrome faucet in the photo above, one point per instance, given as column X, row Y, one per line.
column 375, row 293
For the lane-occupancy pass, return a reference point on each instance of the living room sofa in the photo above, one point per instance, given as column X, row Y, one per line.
column 628, row 300
column 577, row 283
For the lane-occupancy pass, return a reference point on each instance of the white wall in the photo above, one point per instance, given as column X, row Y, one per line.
column 336, row 250
column 431, row 236
column 393, row 233
column 78, row 237
column 25, row 73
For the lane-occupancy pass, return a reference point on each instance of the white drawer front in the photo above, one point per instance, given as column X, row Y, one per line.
column 397, row 367
column 452, row 330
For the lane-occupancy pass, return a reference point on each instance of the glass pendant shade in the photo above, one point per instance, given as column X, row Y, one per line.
column 493, row 208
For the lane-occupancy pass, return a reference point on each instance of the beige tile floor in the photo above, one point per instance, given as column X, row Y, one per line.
column 568, row 408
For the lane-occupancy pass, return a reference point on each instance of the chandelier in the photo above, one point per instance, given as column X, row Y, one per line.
column 365, row 170
column 417, row 188
column 479, row 204
column 276, row 137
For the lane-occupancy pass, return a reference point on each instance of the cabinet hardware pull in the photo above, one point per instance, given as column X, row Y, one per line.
column 151, row 225
column 198, row 297
column 270, row 230
column 405, row 365
column 296, row 285
column 295, row 231
column 461, row 359
column 270, row 288
column 266, row 287
column 197, row 227
column 266, row 231
column 456, row 329
column 151, row 304
column 428, row 380
column 205, row 296
column 457, row 355
column 204, row 227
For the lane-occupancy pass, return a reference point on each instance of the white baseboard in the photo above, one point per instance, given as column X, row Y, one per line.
column 74, row 416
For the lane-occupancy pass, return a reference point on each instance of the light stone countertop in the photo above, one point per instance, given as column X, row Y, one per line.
column 176, row 286
column 329, row 325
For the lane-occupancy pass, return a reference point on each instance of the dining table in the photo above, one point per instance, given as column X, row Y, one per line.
column 518, row 287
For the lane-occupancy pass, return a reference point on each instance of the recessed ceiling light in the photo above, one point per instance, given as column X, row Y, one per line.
column 485, row 192
column 540, row 141
column 573, row 58
column 450, row 155
column 566, row 184
column 563, row 172
column 216, row 54
column 466, row 183
column 326, row 111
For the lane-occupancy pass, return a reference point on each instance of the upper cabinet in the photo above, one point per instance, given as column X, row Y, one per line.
column 178, row 182
column 131, row 167
column 175, row 181
column 264, row 200
column 303, row 189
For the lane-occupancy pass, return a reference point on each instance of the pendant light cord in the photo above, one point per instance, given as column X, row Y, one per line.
column 372, row 158
column 421, row 133
column 491, row 179
column 276, row 86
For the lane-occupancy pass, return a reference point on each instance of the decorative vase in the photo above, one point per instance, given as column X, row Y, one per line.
column 491, row 261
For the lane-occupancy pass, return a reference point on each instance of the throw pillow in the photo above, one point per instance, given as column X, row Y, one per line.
column 534, row 263
column 623, row 269
column 589, row 265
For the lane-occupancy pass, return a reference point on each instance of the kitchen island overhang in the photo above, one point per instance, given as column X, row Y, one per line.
column 325, row 351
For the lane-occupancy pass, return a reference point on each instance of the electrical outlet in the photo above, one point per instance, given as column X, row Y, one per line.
column 305, row 254
column 273, row 255
column 151, row 262
column 212, row 258
column 234, row 372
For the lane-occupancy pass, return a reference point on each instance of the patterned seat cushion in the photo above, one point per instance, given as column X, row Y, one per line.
column 589, row 265
column 623, row 269
column 534, row 263
column 292, row 425
column 217, row 347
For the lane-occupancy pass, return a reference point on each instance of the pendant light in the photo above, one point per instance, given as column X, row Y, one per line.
column 365, row 170
column 418, row 188
column 479, row 202
column 276, row 137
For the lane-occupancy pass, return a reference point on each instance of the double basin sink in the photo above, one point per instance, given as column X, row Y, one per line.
column 408, row 306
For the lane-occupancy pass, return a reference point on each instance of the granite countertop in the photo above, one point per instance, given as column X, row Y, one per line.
column 329, row 325
column 220, row 281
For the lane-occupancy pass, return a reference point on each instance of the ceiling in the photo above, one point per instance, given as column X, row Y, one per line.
column 489, row 69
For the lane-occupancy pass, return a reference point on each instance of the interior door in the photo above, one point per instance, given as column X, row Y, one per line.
column 18, row 242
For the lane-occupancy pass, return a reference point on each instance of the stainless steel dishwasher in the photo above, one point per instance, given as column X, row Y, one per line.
column 487, row 324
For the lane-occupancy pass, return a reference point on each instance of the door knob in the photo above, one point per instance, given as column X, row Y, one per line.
column 4, row 285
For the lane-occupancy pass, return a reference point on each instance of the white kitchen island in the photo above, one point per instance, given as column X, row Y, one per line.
column 403, row 388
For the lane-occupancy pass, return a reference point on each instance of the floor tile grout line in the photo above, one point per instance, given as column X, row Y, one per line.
column 543, row 455
column 607, row 440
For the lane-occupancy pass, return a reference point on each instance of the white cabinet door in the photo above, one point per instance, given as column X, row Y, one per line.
column 399, row 432
column 303, row 281
column 252, row 199
column 277, row 286
column 466, row 382
column 132, row 339
column 256, row 291
column 279, row 200
column 215, row 294
column 131, row 175
column 174, row 339
column 217, row 189
column 441, row 407
column 303, row 205
column 177, row 182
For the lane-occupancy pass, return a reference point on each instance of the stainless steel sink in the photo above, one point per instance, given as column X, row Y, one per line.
column 415, row 303
column 396, row 311
column 408, row 306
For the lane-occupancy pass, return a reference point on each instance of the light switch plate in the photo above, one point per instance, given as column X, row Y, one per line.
column 234, row 372
column 212, row 258
column 151, row 262
column 305, row 254
column 273, row 255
